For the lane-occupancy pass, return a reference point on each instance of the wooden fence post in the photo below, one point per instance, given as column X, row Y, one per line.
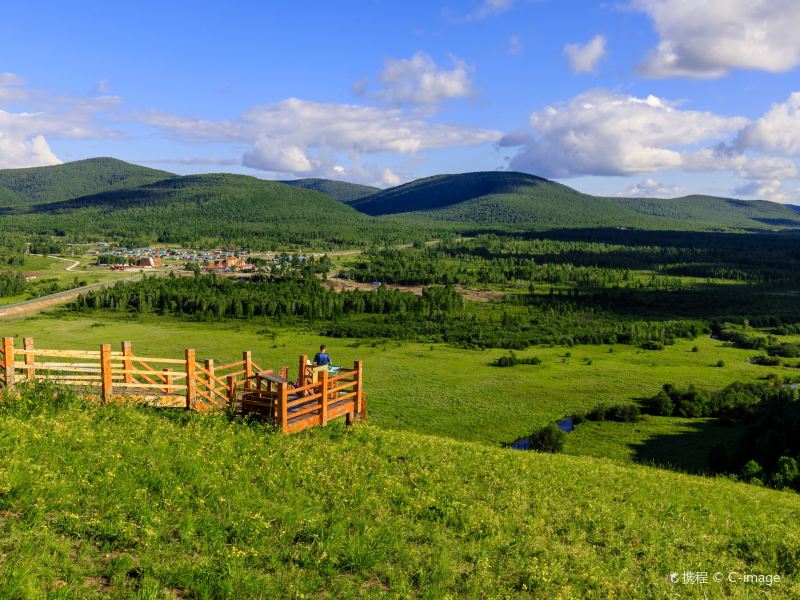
column 30, row 359
column 301, row 370
column 127, row 363
column 105, row 372
column 8, row 357
column 209, row 365
column 283, row 390
column 232, row 391
column 168, row 380
column 284, row 372
column 190, row 381
column 361, row 407
column 247, row 357
column 323, row 419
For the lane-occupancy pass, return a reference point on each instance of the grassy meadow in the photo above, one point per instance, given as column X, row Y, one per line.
column 129, row 502
column 445, row 391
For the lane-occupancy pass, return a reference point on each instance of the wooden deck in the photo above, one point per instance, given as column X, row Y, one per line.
column 315, row 397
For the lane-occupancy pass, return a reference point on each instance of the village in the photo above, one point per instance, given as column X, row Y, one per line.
column 118, row 258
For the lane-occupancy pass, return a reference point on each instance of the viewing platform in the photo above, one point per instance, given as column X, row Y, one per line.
column 316, row 396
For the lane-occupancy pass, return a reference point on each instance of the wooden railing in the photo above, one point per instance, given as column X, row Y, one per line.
column 313, row 399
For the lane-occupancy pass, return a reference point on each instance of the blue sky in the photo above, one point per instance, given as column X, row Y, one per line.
column 646, row 97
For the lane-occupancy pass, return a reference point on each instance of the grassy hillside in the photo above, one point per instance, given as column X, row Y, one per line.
column 209, row 209
column 130, row 502
column 518, row 199
column 338, row 190
column 709, row 209
column 70, row 180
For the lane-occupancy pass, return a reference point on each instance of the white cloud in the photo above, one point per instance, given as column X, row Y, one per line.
column 307, row 138
column 777, row 132
column 24, row 134
column 419, row 81
column 708, row 38
column 515, row 45
column 771, row 189
column 767, row 167
column 604, row 133
column 489, row 8
column 650, row 188
column 271, row 155
column 584, row 58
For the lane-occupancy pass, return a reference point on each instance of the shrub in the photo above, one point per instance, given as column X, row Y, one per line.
column 652, row 345
column 752, row 472
column 660, row 405
column 718, row 459
column 720, row 363
column 695, row 349
column 786, row 474
column 548, row 439
column 766, row 361
column 622, row 413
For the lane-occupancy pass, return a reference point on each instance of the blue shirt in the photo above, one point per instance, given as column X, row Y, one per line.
column 322, row 359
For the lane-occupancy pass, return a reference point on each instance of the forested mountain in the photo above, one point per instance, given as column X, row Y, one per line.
column 71, row 180
column 209, row 210
column 338, row 190
column 108, row 199
column 518, row 199
column 710, row 209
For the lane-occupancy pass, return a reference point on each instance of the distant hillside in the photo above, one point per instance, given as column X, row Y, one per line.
column 521, row 200
column 7, row 198
column 209, row 210
column 338, row 190
column 71, row 180
column 710, row 209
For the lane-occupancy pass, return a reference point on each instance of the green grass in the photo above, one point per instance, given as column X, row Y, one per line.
column 667, row 442
column 125, row 502
column 432, row 389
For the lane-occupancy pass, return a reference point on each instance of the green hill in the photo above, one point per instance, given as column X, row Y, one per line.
column 210, row 210
column 518, row 199
column 338, row 190
column 710, row 209
column 70, row 180
column 121, row 501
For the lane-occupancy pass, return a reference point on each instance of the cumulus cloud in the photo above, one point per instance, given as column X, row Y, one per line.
column 24, row 134
column 650, row 188
column 307, row 138
column 584, row 58
column 771, row 189
column 709, row 38
column 603, row 133
column 420, row 81
column 777, row 132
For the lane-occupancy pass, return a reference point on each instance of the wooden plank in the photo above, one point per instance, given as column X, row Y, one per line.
column 105, row 371
column 341, row 375
column 157, row 386
column 315, row 407
column 231, row 391
column 63, row 353
column 230, row 365
column 343, row 387
column 169, row 381
column 304, row 399
column 127, row 363
column 8, row 355
column 191, row 384
column 168, row 361
column 49, row 367
column 209, row 371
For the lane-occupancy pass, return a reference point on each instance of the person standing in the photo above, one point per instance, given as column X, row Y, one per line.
column 322, row 358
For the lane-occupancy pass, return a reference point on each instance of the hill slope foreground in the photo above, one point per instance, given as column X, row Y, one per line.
column 126, row 501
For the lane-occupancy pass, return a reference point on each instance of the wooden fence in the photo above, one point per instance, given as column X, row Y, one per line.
column 200, row 386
